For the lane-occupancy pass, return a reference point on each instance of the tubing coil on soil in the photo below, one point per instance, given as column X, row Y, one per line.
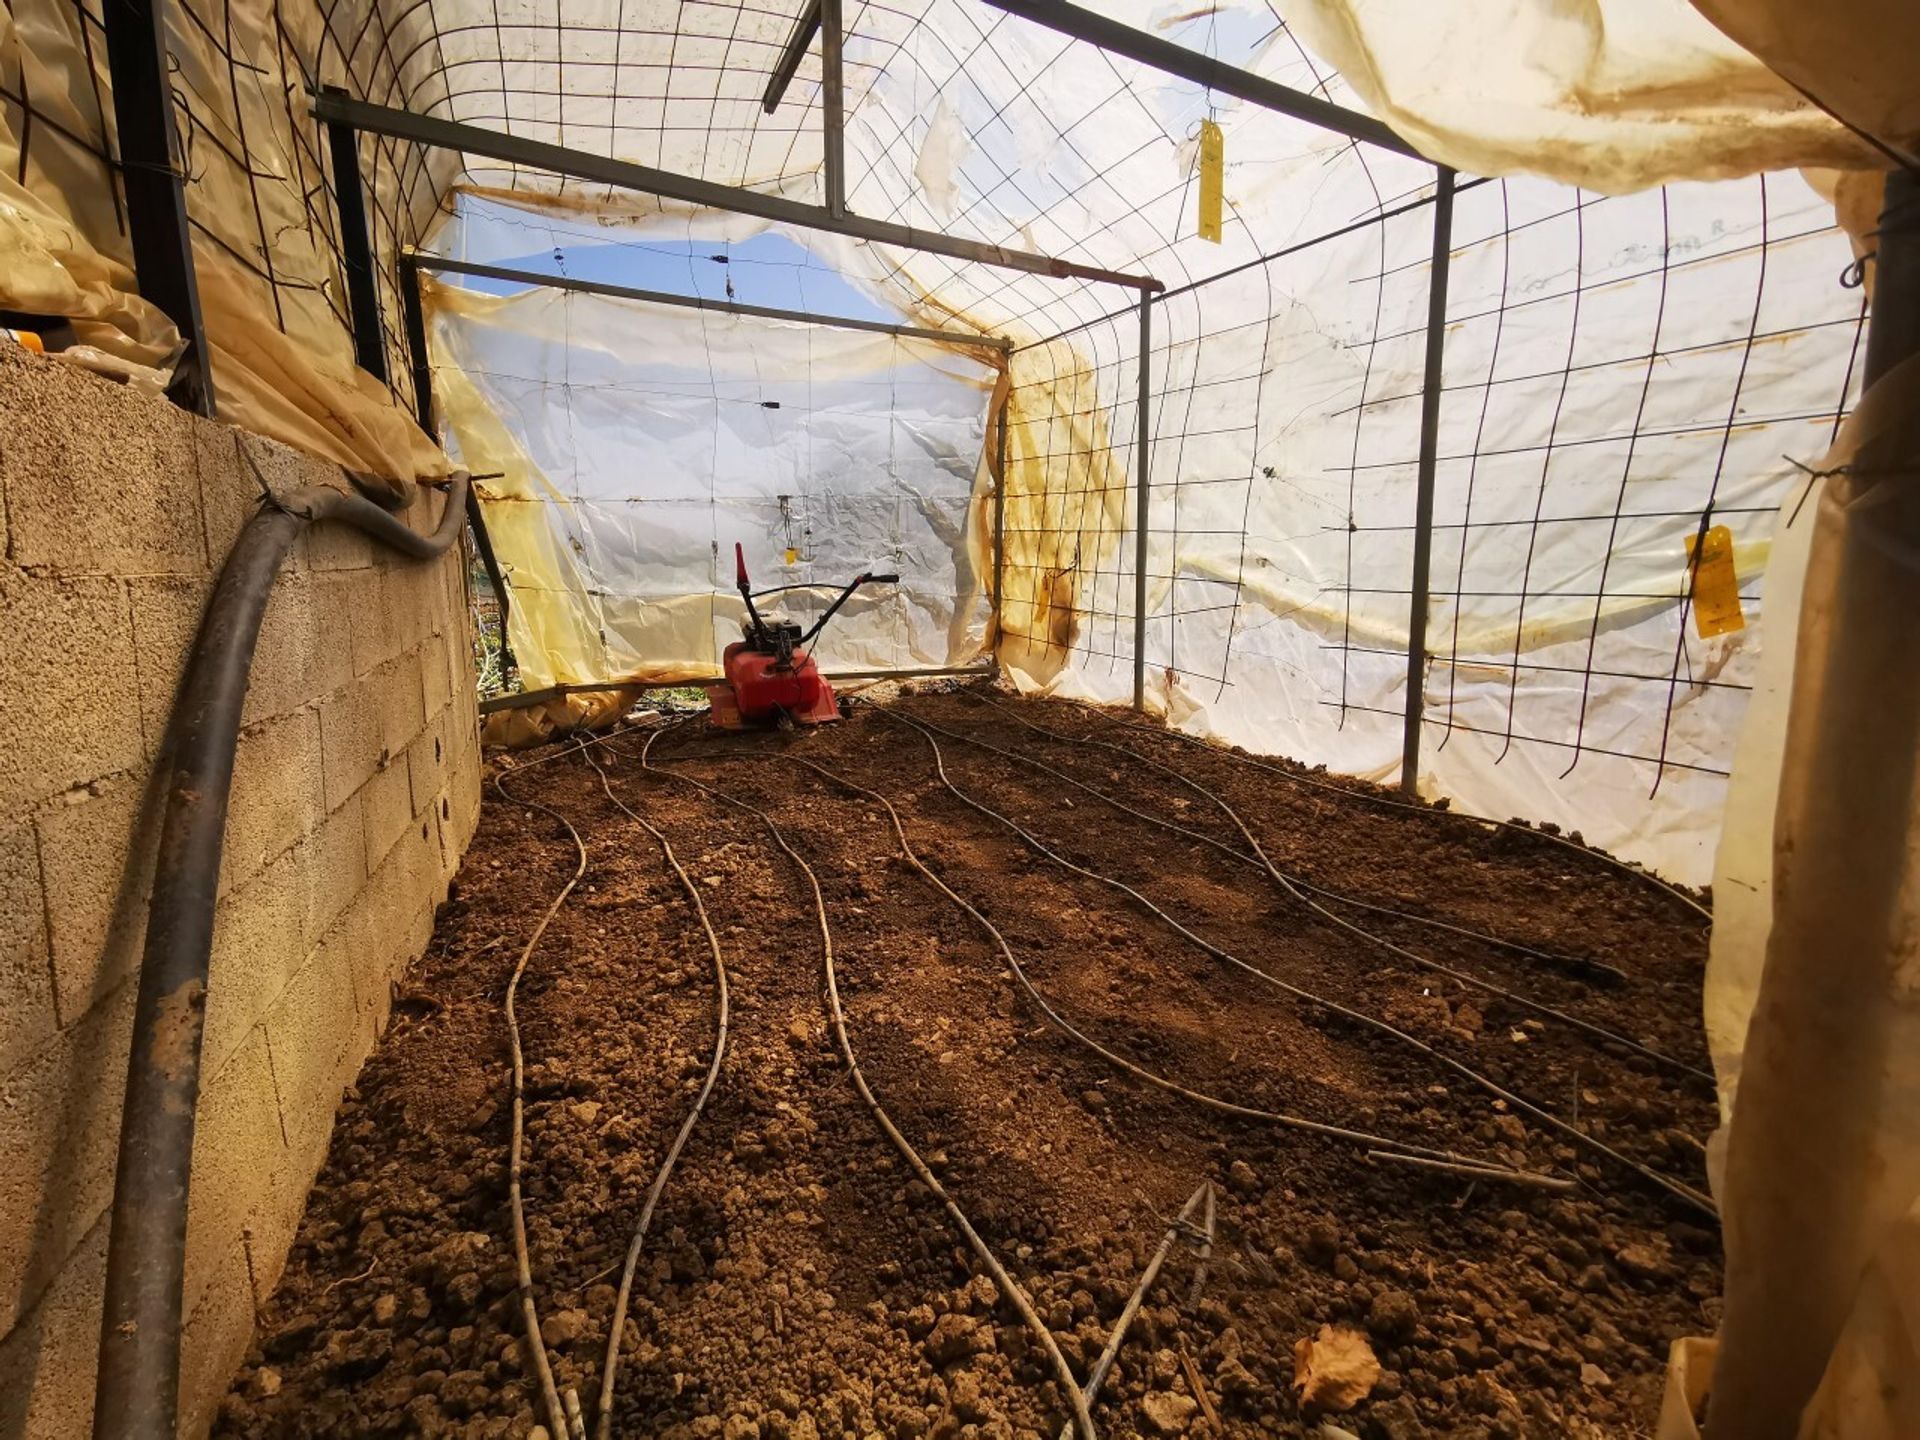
column 1388, row 802
column 603, row 1426
column 1378, row 1145
column 557, row 1415
column 1679, row 1189
column 137, row 1387
column 1010, row 1290
column 1292, row 888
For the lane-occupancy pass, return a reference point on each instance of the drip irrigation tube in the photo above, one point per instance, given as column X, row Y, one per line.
column 137, row 1389
column 1579, row 964
column 1378, row 1145
column 558, row 1416
column 1678, row 1189
column 1010, row 1290
column 1431, row 812
column 603, row 1428
column 1293, row 890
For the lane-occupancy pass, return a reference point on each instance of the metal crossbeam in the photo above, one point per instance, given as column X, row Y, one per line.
column 698, row 302
column 1151, row 50
column 155, row 188
column 602, row 169
column 798, row 43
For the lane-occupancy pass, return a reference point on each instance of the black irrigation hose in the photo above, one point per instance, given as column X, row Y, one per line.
column 1677, row 1188
column 1388, row 802
column 610, row 1369
column 1293, row 890
column 137, row 1386
column 1009, row 1289
column 1377, row 1144
column 557, row 1415
column 1578, row 964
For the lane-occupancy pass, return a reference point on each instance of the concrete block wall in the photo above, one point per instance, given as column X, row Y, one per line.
column 356, row 789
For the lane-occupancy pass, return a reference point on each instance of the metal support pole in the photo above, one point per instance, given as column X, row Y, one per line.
column 833, row 101
column 799, row 41
column 1423, row 493
column 414, row 314
column 1000, row 516
column 356, row 250
column 699, row 302
column 1119, row 38
column 414, row 317
column 155, row 188
column 1142, row 506
column 372, row 119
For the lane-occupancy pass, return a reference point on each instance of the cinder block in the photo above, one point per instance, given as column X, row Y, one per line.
column 311, row 1028
column 96, row 863
column 256, row 947
column 376, row 631
column 47, row 1362
column 66, row 664
column 352, row 938
column 427, row 762
column 59, row 1129
column 436, row 673
column 351, row 746
column 387, row 800
column 277, row 796
column 100, row 480
column 333, row 864
column 239, row 1153
column 214, row 1338
column 402, row 703
column 304, row 651
column 166, row 613
column 26, row 961
column 406, row 887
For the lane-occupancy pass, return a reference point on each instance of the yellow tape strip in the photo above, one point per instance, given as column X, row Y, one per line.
column 1213, row 162
column 1716, row 588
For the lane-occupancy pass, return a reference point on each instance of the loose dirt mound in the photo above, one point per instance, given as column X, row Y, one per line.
column 799, row 1283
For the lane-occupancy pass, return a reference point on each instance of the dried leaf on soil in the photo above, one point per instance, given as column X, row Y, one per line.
column 1335, row 1370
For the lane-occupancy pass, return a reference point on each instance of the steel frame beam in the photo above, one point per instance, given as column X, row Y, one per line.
column 356, row 250
column 833, row 108
column 1142, row 506
column 1423, row 493
column 1151, row 50
column 602, row 169
column 414, row 314
column 155, row 188
column 798, row 43
column 696, row 302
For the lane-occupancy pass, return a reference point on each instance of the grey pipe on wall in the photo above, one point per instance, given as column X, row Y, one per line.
column 137, row 1391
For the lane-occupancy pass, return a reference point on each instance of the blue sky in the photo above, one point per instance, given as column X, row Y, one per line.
column 768, row 269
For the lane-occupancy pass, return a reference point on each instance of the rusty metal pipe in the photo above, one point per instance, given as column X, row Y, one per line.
column 137, row 1390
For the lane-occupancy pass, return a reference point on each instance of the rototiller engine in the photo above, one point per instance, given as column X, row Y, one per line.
column 771, row 679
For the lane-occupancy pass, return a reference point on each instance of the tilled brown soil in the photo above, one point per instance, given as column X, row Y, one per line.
column 798, row 1282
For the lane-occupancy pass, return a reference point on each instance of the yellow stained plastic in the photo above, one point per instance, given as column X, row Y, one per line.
column 1716, row 585
column 1213, row 160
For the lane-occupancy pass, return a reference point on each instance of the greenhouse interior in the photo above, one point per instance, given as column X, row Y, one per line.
column 960, row 719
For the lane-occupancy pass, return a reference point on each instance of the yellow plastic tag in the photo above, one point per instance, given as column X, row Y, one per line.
column 792, row 555
column 1716, row 588
column 1213, row 160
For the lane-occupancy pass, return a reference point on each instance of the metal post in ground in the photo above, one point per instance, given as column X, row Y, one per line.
column 1423, row 492
column 833, row 98
column 356, row 249
column 155, row 188
column 1142, row 506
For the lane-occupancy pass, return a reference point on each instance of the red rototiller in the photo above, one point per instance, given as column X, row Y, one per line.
column 770, row 678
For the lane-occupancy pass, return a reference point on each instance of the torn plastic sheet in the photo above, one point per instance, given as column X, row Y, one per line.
column 639, row 442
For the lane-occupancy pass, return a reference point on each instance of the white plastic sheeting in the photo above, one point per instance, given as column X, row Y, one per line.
column 639, row 442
